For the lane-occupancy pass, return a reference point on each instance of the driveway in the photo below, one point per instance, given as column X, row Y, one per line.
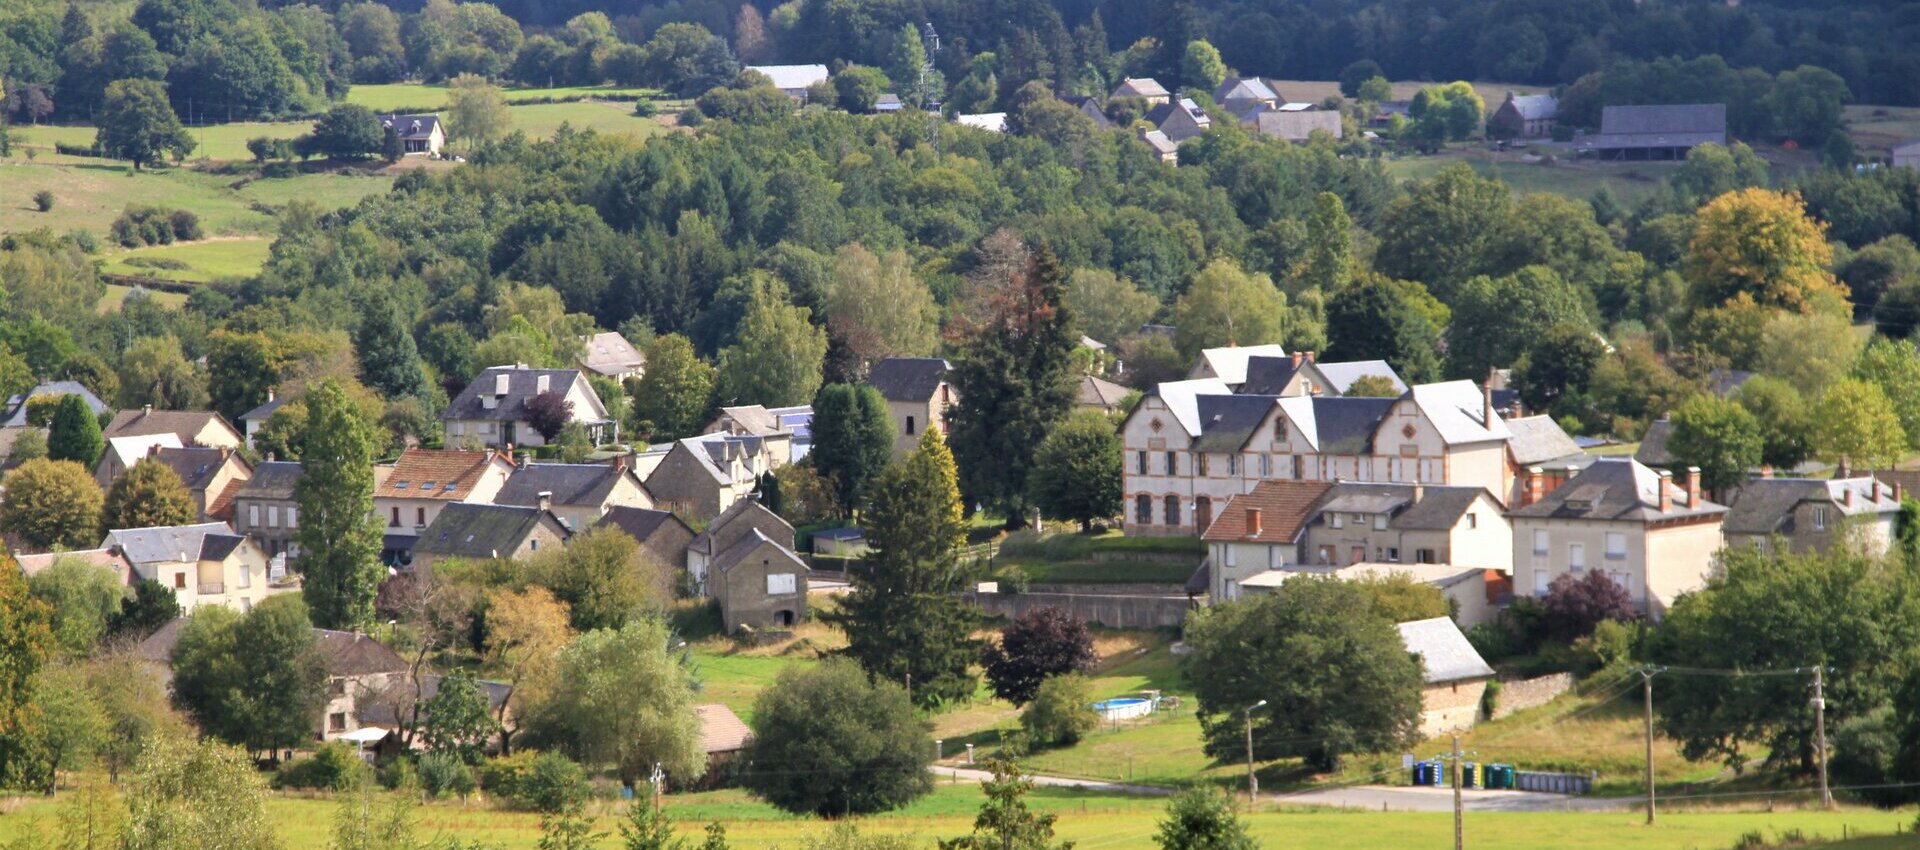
column 1407, row 798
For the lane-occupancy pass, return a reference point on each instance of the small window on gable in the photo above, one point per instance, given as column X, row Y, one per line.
column 1379, row 522
column 1279, row 430
column 1472, row 521
column 1337, row 520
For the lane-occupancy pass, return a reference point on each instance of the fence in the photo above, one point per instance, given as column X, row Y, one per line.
column 1553, row 783
column 1115, row 612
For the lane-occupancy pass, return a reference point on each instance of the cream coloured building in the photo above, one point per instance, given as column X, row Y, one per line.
column 204, row 564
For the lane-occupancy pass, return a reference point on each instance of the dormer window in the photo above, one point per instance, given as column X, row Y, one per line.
column 1582, row 505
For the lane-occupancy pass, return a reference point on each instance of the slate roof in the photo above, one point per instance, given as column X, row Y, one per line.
column 1445, row 654
column 1141, row 87
column 1765, row 505
column 721, row 731
column 570, row 484
column 13, row 414
column 1285, row 507
column 761, row 421
column 1538, row 439
column 261, row 413
column 908, row 378
column 1352, row 497
column 468, row 530
column 104, row 558
column 1660, row 126
column 1615, row 488
column 439, row 474
column 1653, row 446
column 185, row 423
column 216, row 547
column 1438, row 508
column 273, row 479
column 1229, row 362
column 197, row 465
column 1535, row 107
column 355, row 654
column 1298, row 126
column 1103, row 393
column 1341, row 375
column 410, row 127
column 1458, row 410
column 639, row 523
column 610, row 354
column 792, row 76
column 746, row 545
column 1159, row 114
column 1269, row 375
column 170, row 543
column 385, row 713
column 1228, row 421
column 1159, row 142
column 522, row 384
column 1341, row 425
column 1244, row 88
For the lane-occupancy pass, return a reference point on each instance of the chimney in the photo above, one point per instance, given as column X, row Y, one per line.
column 1666, row 497
column 269, row 394
column 1896, row 491
column 1843, row 469
column 620, row 463
column 1693, row 486
column 1310, row 356
column 1418, row 493
column 1536, row 485
column 1297, row 357
column 545, row 501
column 1486, row 405
column 1253, row 522
column 1846, row 496
column 270, row 457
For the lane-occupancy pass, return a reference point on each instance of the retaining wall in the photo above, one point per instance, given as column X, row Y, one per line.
column 1522, row 694
column 1116, row 612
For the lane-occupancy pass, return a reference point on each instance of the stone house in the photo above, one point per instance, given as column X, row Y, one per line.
column 193, row 427
column 211, row 475
column 1240, row 94
column 204, row 564
column 667, row 535
column 360, row 672
column 1180, row 120
column 785, row 432
column 493, row 409
column 700, row 477
column 253, row 420
column 745, row 562
column 918, row 396
column 1655, row 538
column 578, row 493
column 477, row 532
column 1527, row 116
column 1258, row 531
column 1455, row 675
column 265, row 510
column 1408, row 523
column 1144, row 88
column 1814, row 514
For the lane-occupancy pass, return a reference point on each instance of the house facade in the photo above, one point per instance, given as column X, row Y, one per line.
column 1525, row 116
column 1408, row 523
column 264, row 507
column 1144, row 88
column 424, row 481
column 1456, row 676
column 204, row 564
column 578, row 493
column 700, row 477
column 1814, row 514
column 1180, row 120
column 492, row 411
column 745, row 562
column 420, row 135
column 212, row 476
column 918, row 396
column 478, row 532
column 667, row 535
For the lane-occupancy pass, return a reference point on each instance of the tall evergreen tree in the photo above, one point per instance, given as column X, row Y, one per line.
column 902, row 621
column 1015, row 382
column 339, row 537
column 389, row 360
column 852, row 439
column 75, row 433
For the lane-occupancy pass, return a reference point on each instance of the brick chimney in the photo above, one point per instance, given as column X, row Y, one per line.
column 1666, row 497
column 1310, row 356
column 1253, row 522
column 1536, row 486
column 1693, row 486
column 1298, row 356
column 1896, row 491
column 1846, row 497
column 1843, row 469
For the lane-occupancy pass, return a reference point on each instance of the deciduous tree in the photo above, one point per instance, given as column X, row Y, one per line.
column 777, row 360
column 672, row 398
column 1761, row 244
column 623, row 698
column 1076, row 471
column 26, row 642
column 137, row 124
column 1383, row 319
column 348, row 131
column 51, row 504
column 1855, row 421
column 829, row 740
column 877, row 308
column 1044, row 642
column 1202, row 818
column 1575, row 604
column 82, row 596
column 339, row 537
column 1720, row 437
column 525, row 630
column 605, row 577
column 476, row 110
column 150, row 494
column 1105, row 306
column 257, row 680
column 1227, row 306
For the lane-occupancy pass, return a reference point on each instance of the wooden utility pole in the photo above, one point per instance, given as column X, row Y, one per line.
column 1820, row 734
column 1253, row 782
column 1646, row 684
column 1459, row 836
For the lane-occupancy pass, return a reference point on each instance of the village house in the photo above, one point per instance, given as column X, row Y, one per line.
column 723, row 736
column 13, row 413
column 204, row 564
column 492, row 411
column 106, row 558
column 253, row 420
column 1180, row 120
column 1526, row 116
column 122, row 453
column 1229, row 363
column 699, row 477
column 1162, row 147
column 667, row 535
column 479, row 532
column 794, row 80
column 611, row 356
column 1240, row 94
column 1393, row 523
column 211, row 475
column 203, row 428
column 786, row 433
column 1089, row 107
column 578, row 493
column 1097, row 394
column 745, row 562
column 1813, row 514
column 1144, row 88
column 265, row 510
column 1653, row 537
column 360, row 670
column 1455, row 675
column 1666, row 131
column 918, row 396
column 1298, row 126
column 420, row 135
column 1258, row 531
column 424, row 481
column 1540, row 454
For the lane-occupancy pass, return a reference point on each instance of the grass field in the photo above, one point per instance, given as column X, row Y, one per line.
column 117, row 294
column 206, row 261
column 540, row 120
column 1314, row 91
column 386, row 97
column 89, row 194
column 1629, row 182
column 1877, row 128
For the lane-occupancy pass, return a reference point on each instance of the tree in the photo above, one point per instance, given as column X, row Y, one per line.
column 1015, row 382
column 26, row 641
column 1400, row 599
column 476, row 110
column 137, row 124
column 687, row 60
column 852, row 439
column 856, row 87
column 1849, row 612
column 241, row 369
column 525, row 631
column 605, row 577
column 339, row 537
column 671, row 399
column 389, row 359
column 548, row 413
column 1809, row 350
column 902, row 619
column 1328, row 263
column 621, row 697
column 1781, row 412
column 1495, row 320
column 82, row 596
column 1076, row 471
column 1336, row 675
column 149, row 495
column 75, row 433
column 1711, row 171
column 750, row 41
column 457, row 718
column 1561, row 362
column 51, row 504
column 348, row 131
column 1575, row 604
column 1106, row 307
column 1372, row 386
column 1202, row 818
column 1443, row 113
column 1375, row 90
column 1382, row 319
column 877, row 308
column 827, row 740
column 1718, row 436
column 1004, row 821
column 146, row 607
column 1855, row 421
column 1044, row 642
column 1357, row 73
column 1805, row 104
column 1060, row 712
column 1201, row 66
column 196, row 793
column 645, row 827
column 1761, row 244
column 777, row 360
column 70, row 727
column 1895, row 368
column 1226, row 306
column 154, row 371
column 256, row 679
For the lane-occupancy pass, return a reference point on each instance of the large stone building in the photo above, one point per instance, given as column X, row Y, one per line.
column 917, row 394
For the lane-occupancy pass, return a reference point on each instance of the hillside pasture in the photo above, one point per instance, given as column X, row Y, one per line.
column 388, row 97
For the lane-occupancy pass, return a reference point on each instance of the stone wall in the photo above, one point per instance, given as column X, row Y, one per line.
column 1522, row 694
column 1115, row 612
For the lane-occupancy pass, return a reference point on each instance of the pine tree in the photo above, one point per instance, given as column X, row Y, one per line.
column 389, row 360
column 75, row 433
column 150, row 494
column 339, row 538
column 1015, row 382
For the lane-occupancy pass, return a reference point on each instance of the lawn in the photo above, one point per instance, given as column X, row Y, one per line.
column 1630, row 182
column 542, row 119
column 1878, row 128
column 389, row 97
column 1089, row 572
column 215, row 141
column 205, row 261
column 117, row 294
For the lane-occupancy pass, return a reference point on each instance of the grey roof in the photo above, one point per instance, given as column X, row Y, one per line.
column 1141, row 87
column 1159, row 114
column 792, row 76
column 1097, row 391
column 1345, row 425
column 1662, row 126
column 609, row 353
column 570, row 484
column 640, row 523
column 1615, row 488
column 1202, row 578
column 522, row 384
column 385, row 713
column 1158, row 141
column 410, row 126
column 1538, row 439
column 1653, row 447
column 1430, row 509
column 1244, row 88
column 1438, row 509
column 1298, row 126
column 1341, row 375
column 1269, row 375
column 14, row 413
column 1444, row 651
column 216, row 547
column 746, row 545
column 1536, row 107
column 908, row 378
column 169, row 543
column 273, row 479
column 1228, row 421
column 196, row 465
column 1765, row 505
column 1357, row 498
column 468, row 530
column 263, row 411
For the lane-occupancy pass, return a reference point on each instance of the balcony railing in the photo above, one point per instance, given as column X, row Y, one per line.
column 208, row 588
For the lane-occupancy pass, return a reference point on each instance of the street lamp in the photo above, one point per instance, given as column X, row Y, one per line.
column 1253, row 783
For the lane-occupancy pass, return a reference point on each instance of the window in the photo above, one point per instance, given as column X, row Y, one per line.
column 1297, row 471
column 1622, row 578
column 1266, row 466
column 1540, row 543
column 253, row 516
column 1409, row 450
column 1273, row 557
column 1472, row 520
column 293, row 517
column 1540, row 582
column 780, row 583
column 1143, row 462
column 1233, row 465
column 1173, row 510
column 246, row 575
column 533, row 545
column 420, row 516
column 1143, row 509
column 1173, row 465
column 1577, row 556
column 1279, row 430
column 1393, row 554
column 1424, row 556
column 1819, row 517
column 337, row 722
column 1616, row 545
column 1202, row 513
column 179, row 581
column 1379, row 522
column 1200, row 463
column 909, row 426
column 394, row 520
column 273, row 516
column 1337, row 520
column 1232, row 559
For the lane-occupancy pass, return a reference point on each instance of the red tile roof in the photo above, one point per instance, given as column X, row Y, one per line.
column 1284, row 508
column 435, row 474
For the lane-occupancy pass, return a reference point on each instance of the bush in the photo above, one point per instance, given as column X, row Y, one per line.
column 1610, row 644
column 542, row 782
column 85, row 240
column 142, row 225
column 1493, row 640
column 445, row 773
column 644, row 108
column 1046, row 641
column 502, row 776
column 186, row 225
column 398, row 773
column 1490, row 700
column 43, row 200
column 1576, row 604
column 1061, row 712
column 333, row 767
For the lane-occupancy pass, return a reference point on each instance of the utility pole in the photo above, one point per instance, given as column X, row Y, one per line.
column 1459, row 833
column 909, row 687
column 1253, row 782
column 1646, row 684
column 1820, row 734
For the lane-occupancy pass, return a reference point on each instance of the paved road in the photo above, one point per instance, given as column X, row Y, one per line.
column 971, row 775
column 1416, row 799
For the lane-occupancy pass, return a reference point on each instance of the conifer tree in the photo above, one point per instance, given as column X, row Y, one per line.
column 74, row 433
column 389, row 360
column 339, row 540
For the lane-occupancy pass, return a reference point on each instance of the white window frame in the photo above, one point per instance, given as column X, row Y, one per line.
column 780, row 584
column 253, row 516
column 1616, row 545
column 1379, row 522
column 1337, row 520
column 1541, row 542
column 1576, row 556
column 1819, row 517
column 273, row 516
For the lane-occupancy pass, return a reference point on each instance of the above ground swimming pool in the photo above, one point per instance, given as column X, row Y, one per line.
column 1124, row 708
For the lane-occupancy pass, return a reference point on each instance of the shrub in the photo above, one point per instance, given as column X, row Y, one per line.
column 142, row 225
column 333, row 767
column 502, row 776
column 85, row 240
column 186, row 225
column 398, row 773
column 1493, row 640
column 1610, row 644
column 1490, row 700
column 1061, row 712
column 43, row 200
column 444, row 773
column 1043, row 642
column 1575, row 604
column 644, row 108
column 543, row 782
